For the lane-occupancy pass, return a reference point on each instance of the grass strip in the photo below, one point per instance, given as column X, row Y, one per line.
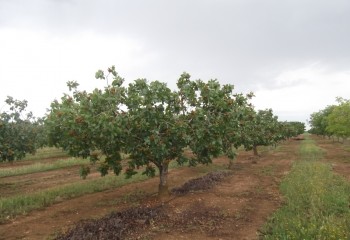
column 317, row 201
column 22, row 204
column 42, row 167
column 46, row 152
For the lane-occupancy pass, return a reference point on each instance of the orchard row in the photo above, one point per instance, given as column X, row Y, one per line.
column 148, row 121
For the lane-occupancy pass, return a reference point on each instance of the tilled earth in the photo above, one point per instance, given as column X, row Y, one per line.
column 119, row 225
column 221, row 205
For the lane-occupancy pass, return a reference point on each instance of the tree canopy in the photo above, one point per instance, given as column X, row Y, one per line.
column 19, row 131
column 334, row 120
column 338, row 121
column 155, row 125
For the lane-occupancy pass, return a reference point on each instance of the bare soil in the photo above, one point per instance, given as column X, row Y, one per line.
column 336, row 154
column 234, row 208
column 29, row 183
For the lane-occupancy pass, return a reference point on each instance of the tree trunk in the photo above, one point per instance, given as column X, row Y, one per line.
column 255, row 150
column 163, row 177
column 230, row 164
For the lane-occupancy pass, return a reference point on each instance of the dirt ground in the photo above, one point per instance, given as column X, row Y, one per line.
column 236, row 208
column 29, row 183
column 336, row 154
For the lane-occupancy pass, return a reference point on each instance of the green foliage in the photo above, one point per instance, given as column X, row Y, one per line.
column 319, row 122
column 90, row 125
column 213, row 113
column 84, row 171
column 339, row 119
column 154, row 124
column 333, row 120
column 155, row 131
column 19, row 134
column 260, row 129
column 292, row 129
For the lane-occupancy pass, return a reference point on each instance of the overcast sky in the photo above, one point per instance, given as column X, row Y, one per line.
column 293, row 54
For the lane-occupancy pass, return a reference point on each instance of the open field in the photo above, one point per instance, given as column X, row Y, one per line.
column 238, row 207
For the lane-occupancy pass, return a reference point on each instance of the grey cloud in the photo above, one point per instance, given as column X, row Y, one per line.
column 236, row 41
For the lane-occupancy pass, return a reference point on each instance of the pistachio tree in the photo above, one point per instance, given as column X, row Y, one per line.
column 215, row 115
column 155, row 130
column 291, row 129
column 91, row 125
column 18, row 131
column 262, row 130
column 148, row 121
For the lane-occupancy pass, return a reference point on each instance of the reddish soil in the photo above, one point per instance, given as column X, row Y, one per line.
column 29, row 183
column 235, row 208
column 336, row 154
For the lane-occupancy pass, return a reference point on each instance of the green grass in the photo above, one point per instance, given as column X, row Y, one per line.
column 317, row 201
column 308, row 150
column 267, row 149
column 24, row 203
column 47, row 152
column 41, row 167
column 21, row 204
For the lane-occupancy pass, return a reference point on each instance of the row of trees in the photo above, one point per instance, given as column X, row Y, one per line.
column 334, row 120
column 154, row 124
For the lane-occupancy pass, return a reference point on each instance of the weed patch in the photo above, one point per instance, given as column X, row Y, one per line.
column 46, row 152
column 21, row 204
column 42, row 167
column 317, row 201
column 24, row 203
